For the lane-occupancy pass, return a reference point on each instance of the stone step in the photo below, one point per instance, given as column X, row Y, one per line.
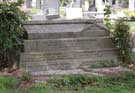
column 67, row 44
column 56, row 35
column 68, row 64
column 42, row 76
column 77, row 54
column 65, row 64
column 65, row 29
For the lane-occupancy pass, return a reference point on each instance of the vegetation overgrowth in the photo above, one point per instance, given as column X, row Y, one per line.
column 122, row 39
column 122, row 83
column 11, row 33
column 105, row 64
column 121, row 35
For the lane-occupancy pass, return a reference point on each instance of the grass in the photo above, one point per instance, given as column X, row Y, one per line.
column 132, row 26
column 77, row 82
column 122, row 83
column 34, row 11
column 90, row 90
column 8, row 82
column 62, row 12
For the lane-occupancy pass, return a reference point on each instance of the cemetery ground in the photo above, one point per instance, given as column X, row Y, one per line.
column 120, row 83
column 101, row 80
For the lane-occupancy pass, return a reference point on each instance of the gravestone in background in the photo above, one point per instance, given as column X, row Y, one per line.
column 51, row 8
column 77, row 4
column 74, row 11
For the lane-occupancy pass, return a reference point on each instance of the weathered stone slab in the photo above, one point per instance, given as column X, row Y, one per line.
column 79, row 54
column 58, row 72
column 36, row 68
column 56, row 35
column 65, row 29
column 68, row 44
column 47, row 28
column 68, row 64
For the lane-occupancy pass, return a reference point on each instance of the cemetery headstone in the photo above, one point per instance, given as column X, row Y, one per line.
column 51, row 9
column 74, row 11
column 92, row 8
column 77, row 4
column 86, row 6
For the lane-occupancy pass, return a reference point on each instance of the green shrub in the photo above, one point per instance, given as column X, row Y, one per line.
column 121, row 36
column 11, row 32
column 77, row 82
column 8, row 82
column 34, row 11
column 62, row 12
column 37, row 88
column 26, row 76
column 72, row 82
column 107, row 11
column 107, row 20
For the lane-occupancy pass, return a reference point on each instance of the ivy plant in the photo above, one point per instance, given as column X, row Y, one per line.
column 11, row 32
column 122, row 40
column 107, row 13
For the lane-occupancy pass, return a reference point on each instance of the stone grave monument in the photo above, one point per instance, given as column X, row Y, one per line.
column 57, row 47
